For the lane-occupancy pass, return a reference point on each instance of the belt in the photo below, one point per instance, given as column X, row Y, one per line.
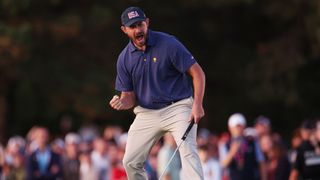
column 172, row 102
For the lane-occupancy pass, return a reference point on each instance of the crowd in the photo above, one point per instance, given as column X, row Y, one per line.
column 243, row 153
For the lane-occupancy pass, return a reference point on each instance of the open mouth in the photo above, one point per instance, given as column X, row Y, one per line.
column 139, row 37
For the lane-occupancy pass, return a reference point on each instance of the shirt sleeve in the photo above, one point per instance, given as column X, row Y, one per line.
column 181, row 58
column 259, row 154
column 123, row 80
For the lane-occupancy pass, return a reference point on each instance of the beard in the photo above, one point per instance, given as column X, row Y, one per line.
column 139, row 39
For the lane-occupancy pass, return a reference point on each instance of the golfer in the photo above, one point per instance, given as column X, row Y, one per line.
column 160, row 78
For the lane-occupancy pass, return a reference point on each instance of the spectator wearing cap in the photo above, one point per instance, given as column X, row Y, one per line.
column 262, row 126
column 241, row 155
column 307, row 163
column 70, row 160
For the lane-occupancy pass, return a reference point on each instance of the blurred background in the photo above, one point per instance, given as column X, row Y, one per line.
column 57, row 60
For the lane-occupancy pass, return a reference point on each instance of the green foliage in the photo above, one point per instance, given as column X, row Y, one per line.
column 258, row 57
column 13, row 8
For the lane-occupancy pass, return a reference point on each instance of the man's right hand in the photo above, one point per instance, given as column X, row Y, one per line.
column 115, row 102
column 126, row 101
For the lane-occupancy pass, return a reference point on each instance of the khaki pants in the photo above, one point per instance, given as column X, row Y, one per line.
column 149, row 126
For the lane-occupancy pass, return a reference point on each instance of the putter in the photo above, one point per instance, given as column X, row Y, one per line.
column 182, row 140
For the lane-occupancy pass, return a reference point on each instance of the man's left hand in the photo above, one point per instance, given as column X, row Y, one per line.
column 197, row 113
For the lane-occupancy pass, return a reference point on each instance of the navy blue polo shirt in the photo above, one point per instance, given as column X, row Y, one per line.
column 157, row 75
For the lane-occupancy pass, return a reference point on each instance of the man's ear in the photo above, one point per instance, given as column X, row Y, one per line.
column 147, row 22
column 124, row 30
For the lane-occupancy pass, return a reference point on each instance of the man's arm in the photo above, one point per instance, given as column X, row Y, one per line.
column 125, row 101
column 234, row 147
column 198, row 79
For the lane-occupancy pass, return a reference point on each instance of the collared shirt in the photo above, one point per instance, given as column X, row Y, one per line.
column 43, row 159
column 157, row 75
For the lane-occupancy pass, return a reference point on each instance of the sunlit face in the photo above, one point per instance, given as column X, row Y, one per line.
column 266, row 143
column 237, row 130
column 137, row 33
column 42, row 136
column 203, row 155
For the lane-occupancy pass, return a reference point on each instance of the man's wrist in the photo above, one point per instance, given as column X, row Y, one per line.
column 197, row 102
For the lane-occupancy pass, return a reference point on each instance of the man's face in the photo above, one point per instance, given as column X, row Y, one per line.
column 137, row 32
column 237, row 130
column 262, row 129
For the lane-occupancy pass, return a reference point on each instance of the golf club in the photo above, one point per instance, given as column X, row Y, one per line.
column 182, row 140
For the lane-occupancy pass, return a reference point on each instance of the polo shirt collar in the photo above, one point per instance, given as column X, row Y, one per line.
column 151, row 41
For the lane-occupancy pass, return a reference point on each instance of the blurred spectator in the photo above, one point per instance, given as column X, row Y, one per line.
column 165, row 153
column 213, row 142
column 296, row 140
column 13, row 154
column 70, row 159
column 43, row 163
column 88, row 133
column 1, row 160
column 57, row 146
column 87, row 171
column 123, row 140
column 31, row 140
column 151, row 164
column 210, row 166
column 117, row 171
column 307, row 163
column 262, row 126
column 15, row 146
column 278, row 166
column 242, row 155
column 266, row 143
column 17, row 170
column 100, row 159
column 112, row 133
column 203, row 136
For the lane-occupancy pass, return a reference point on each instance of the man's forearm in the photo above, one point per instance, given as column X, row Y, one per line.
column 198, row 79
column 127, row 99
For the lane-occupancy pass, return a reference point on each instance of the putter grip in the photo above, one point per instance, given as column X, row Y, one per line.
column 187, row 131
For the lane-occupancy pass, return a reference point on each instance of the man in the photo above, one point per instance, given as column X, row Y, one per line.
column 153, row 72
column 70, row 159
column 307, row 162
column 43, row 163
column 242, row 155
column 262, row 126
